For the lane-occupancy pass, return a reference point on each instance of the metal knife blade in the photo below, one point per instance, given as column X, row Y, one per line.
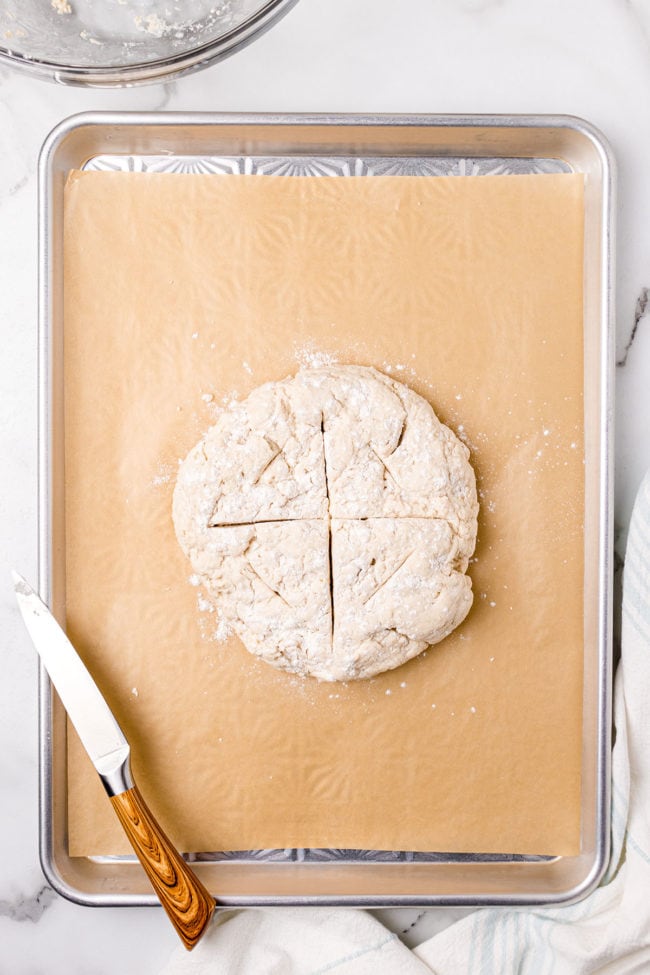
column 93, row 720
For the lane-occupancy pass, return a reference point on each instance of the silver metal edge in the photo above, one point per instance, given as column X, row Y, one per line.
column 162, row 70
column 44, row 531
column 53, row 140
column 606, row 504
column 606, row 534
column 44, row 559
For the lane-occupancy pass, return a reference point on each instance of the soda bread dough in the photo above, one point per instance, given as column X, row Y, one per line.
column 331, row 517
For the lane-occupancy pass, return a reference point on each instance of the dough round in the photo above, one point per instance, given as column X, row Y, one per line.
column 331, row 517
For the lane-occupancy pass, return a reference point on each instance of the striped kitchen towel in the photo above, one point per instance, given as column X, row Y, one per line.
column 607, row 933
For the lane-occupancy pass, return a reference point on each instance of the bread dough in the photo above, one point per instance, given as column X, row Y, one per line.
column 399, row 584
column 263, row 461
column 271, row 581
column 331, row 517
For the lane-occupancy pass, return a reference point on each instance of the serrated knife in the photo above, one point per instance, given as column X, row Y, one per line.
column 185, row 899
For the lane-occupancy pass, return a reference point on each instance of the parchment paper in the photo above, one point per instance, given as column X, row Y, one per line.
column 179, row 288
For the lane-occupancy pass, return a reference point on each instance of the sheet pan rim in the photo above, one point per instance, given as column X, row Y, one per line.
column 47, row 162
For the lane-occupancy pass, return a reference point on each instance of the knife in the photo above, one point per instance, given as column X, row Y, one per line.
column 185, row 899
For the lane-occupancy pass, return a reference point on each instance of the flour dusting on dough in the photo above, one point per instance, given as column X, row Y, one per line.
column 331, row 518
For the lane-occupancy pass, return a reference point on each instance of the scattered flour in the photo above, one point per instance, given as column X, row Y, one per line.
column 222, row 631
column 163, row 475
column 231, row 399
column 311, row 358
column 154, row 25
column 88, row 37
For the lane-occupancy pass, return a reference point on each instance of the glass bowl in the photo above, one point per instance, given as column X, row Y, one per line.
column 127, row 42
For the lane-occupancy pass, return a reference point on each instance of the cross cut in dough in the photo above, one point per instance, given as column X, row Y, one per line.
column 331, row 517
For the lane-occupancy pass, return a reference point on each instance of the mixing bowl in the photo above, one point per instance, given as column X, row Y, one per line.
column 125, row 42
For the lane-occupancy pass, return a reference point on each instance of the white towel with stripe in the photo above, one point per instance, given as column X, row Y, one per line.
column 607, row 933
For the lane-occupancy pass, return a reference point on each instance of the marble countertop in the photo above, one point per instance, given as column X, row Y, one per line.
column 590, row 58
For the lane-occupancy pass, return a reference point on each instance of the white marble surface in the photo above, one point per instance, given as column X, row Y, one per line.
column 589, row 58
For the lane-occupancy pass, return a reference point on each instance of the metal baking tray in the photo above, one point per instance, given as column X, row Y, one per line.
column 425, row 145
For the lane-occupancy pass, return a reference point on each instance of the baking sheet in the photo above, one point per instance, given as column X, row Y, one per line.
column 182, row 288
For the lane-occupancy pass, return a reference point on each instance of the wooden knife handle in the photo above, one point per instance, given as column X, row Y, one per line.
column 187, row 902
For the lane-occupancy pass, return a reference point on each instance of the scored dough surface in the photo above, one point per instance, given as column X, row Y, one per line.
column 331, row 517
